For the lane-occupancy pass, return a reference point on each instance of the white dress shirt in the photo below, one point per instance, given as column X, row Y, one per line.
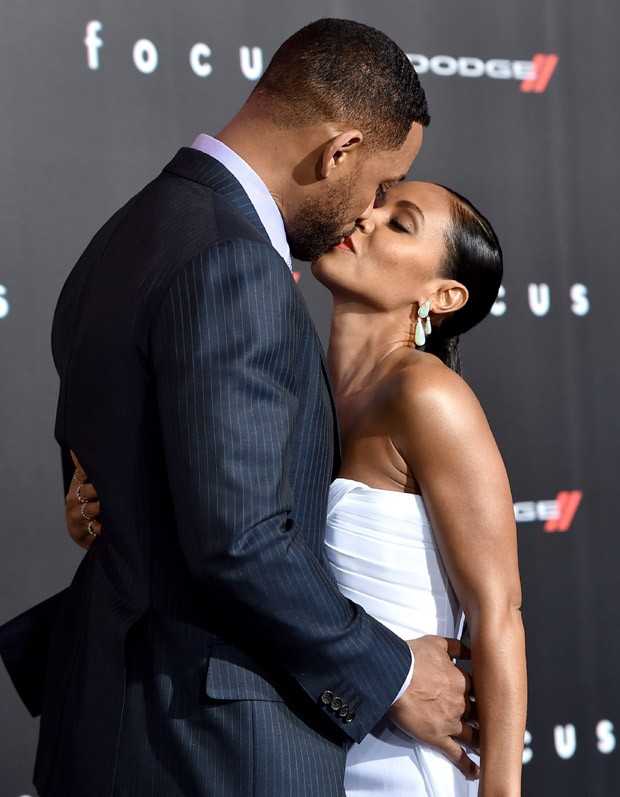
column 254, row 187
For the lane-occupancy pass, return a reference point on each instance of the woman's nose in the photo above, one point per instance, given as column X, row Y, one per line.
column 364, row 221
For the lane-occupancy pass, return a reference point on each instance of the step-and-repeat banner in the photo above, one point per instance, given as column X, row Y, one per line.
column 97, row 95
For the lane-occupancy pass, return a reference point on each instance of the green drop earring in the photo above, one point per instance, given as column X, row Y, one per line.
column 422, row 331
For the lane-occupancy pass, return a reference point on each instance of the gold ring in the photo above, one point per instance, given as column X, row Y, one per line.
column 85, row 515
column 75, row 477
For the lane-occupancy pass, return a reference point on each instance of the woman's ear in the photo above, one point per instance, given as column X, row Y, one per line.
column 449, row 298
column 339, row 150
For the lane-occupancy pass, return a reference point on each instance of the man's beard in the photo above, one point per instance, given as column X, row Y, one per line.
column 318, row 225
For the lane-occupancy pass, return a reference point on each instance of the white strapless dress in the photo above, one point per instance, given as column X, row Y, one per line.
column 383, row 554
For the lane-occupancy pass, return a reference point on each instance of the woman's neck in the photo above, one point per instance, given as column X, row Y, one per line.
column 359, row 341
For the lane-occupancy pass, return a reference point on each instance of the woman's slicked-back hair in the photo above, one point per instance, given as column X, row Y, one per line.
column 473, row 258
column 343, row 71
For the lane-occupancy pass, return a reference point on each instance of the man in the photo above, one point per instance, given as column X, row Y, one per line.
column 203, row 648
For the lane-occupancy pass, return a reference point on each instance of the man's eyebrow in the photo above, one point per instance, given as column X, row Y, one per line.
column 405, row 203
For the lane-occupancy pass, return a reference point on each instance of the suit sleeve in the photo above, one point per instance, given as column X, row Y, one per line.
column 24, row 648
column 224, row 350
column 68, row 468
column 25, row 640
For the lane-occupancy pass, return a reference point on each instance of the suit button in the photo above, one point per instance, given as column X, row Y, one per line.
column 350, row 717
column 344, row 711
column 327, row 697
column 336, row 703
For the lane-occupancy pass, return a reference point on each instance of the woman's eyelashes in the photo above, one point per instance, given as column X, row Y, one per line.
column 398, row 225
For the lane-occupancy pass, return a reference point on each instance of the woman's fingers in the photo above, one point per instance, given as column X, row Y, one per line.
column 78, row 527
column 82, row 508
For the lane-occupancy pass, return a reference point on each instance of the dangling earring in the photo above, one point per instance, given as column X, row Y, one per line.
column 423, row 311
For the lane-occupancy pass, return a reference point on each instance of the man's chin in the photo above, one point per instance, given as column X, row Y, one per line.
column 335, row 241
column 308, row 252
column 311, row 249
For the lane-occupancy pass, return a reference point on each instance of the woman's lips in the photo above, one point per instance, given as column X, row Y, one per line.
column 346, row 244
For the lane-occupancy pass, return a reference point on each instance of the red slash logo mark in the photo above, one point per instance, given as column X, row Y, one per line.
column 544, row 66
column 567, row 502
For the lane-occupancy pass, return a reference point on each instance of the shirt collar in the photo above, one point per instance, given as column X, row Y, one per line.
column 255, row 188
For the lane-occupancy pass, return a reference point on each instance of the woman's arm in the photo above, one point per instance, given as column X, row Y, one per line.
column 445, row 440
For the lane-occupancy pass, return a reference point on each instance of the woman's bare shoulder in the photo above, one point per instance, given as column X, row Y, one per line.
column 437, row 424
column 422, row 387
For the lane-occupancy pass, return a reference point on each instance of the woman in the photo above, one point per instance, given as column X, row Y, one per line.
column 422, row 491
column 420, row 520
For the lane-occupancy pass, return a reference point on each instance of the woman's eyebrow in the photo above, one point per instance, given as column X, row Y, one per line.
column 408, row 205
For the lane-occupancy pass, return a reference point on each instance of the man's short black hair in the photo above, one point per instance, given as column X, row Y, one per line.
column 343, row 71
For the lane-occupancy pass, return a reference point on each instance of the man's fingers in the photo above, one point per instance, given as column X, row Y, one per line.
column 471, row 712
column 460, row 759
column 469, row 684
column 457, row 650
column 470, row 737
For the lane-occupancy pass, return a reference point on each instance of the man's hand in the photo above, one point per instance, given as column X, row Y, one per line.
column 437, row 706
column 82, row 508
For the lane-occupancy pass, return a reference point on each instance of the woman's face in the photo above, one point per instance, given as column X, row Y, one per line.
column 394, row 257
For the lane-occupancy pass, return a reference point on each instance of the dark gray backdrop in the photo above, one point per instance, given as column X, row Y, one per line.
column 76, row 142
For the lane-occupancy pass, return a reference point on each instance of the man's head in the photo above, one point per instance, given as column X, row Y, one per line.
column 344, row 111
column 340, row 70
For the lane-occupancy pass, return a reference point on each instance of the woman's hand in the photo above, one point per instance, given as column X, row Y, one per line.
column 82, row 508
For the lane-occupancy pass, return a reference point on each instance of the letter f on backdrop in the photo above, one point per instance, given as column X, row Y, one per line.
column 93, row 43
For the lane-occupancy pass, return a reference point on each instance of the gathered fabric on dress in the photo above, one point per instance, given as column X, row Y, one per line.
column 383, row 553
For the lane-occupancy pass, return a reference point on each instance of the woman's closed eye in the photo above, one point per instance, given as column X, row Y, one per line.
column 398, row 225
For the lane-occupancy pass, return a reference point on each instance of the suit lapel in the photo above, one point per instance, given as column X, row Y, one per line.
column 202, row 168
column 328, row 381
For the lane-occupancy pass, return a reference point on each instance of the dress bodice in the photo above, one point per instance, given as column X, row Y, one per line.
column 384, row 556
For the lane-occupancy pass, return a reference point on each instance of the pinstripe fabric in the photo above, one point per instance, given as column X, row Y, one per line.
column 203, row 627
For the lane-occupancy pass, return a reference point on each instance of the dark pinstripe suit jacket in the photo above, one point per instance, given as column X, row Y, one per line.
column 202, row 647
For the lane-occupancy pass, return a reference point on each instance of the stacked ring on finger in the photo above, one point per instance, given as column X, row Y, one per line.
column 77, row 478
column 79, row 495
column 85, row 515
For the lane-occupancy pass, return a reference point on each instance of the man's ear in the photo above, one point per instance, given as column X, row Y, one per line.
column 338, row 150
column 449, row 298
